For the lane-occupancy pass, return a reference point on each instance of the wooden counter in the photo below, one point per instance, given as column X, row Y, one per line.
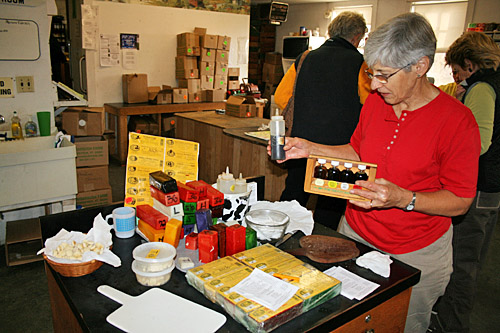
column 121, row 111
column 77, row 306
column 223, row 143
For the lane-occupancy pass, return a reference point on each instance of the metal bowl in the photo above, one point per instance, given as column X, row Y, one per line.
column 270, row 225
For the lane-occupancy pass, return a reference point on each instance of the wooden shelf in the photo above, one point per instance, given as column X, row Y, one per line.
column 23, row 241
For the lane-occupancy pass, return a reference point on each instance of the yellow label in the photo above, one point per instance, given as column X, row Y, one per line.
column 153, row 253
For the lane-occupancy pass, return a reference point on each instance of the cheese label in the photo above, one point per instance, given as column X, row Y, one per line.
column 153, row 253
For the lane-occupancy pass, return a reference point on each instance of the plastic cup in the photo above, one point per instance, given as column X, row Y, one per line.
column 44, row 122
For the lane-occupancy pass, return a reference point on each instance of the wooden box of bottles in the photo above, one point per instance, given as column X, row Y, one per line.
column 339, row 183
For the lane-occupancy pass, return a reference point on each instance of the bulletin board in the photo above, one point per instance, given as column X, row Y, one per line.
column 22, row 38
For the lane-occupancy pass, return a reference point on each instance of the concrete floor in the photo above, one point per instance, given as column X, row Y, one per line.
column 25, row 304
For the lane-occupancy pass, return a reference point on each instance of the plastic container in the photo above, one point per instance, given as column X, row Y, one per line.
column 226, row 182
column 240, row 185
column 277, row 128
column 269, row 224
column 151, row 279
column 16, row 128
column 154, row 257
column 30, row 128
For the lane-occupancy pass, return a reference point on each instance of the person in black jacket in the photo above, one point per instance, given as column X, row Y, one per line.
column 475, row 59
column 327, row 105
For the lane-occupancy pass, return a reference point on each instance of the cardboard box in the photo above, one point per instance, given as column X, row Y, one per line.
column 159, row 95
column 186, row 62
column 135, row 88
column 92, row 178
column 241, row 106
column 194, row 97
column 208, row 55
column 333, row 188
column 89, row 121
column 192, row 85
column 91, row 151
column 233, row 85
column 188, row 39
column 221, row 68
column 187, row 73
column 143, row 124
column 207, row 82
column 272, row 73
column 223, row 42
column 222, row 56
column 94, row 198
column 213, row 95
column 188, row 51
column 180, row 95
column 207, row 68
column 233, row 71
column 220, row 82
column 200, row 31
column 168, row 123
column 208, row 41
column 273, row 58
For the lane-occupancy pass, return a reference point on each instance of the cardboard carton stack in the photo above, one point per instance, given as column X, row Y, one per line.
column 233, row 82
column 272, row 73
column 87, row 125
column 201, row 65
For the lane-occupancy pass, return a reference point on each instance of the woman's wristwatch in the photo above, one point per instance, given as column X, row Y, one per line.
column 411, row 205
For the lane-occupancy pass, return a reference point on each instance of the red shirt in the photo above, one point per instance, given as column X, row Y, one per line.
column 432, row 148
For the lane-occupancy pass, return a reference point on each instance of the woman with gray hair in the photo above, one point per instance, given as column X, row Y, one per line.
column 426, row 146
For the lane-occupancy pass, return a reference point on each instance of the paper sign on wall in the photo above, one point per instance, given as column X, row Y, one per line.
column 149, row 153
column 6, row 87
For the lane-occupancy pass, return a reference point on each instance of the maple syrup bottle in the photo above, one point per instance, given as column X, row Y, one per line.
column 320, row 169
column 347, row 176
column 361, row 174
column 334, row 172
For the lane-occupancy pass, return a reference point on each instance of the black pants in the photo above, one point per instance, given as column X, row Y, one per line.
column 328, row 210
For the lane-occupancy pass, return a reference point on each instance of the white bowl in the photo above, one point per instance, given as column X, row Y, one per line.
column 270, row 225
column 163, row 260
column 152, row 279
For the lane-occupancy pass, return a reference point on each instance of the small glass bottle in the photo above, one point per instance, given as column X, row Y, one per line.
column 30, row 128
column 347, row 176
column 17, row 129
column 320, row 169
column 361, row 174
column 334, row 172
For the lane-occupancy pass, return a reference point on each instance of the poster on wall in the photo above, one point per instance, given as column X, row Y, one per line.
column 109, row 46
column 227, row 6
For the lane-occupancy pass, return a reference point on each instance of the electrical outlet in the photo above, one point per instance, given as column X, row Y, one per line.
column 25, row 84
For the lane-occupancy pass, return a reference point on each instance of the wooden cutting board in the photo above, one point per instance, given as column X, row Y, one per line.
column 158, row 310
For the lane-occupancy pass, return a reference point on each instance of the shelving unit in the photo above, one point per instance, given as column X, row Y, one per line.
column 23, row 241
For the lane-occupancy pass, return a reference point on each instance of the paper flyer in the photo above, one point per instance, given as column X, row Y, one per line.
column 149, row 153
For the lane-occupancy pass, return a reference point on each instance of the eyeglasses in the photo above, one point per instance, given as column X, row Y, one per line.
column 382, row 78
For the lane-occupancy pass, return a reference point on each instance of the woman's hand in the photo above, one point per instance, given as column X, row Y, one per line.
column 294, row 148
column 381, row 194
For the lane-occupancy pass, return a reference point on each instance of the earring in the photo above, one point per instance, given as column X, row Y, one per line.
column 470, row 70
column 418, row 75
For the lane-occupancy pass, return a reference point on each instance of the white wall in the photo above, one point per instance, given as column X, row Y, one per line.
column 157, row 28
column 43, row 98
column 312, row 15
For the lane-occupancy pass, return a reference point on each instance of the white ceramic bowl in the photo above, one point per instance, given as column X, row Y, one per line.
column 269, row 224
column 147, row 263
column 152, row 279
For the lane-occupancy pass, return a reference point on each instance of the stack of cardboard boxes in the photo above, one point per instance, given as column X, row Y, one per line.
column 272, row 73
column 87, row 126
column 201, row 65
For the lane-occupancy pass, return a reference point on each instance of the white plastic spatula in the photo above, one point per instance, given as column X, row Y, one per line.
column 157, row 310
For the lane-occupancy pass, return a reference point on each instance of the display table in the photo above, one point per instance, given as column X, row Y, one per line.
column 78, row 307
column 120, row 112
column 223, row 143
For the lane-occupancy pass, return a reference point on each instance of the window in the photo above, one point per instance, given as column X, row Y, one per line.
column 365, row 10
column 447, row 18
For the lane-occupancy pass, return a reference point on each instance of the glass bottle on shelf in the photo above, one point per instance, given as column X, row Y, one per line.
column 334, row 172
column 361, row 174
column 347, row 176
column 320, row 169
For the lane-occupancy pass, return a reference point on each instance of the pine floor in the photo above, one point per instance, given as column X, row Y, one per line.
column 25, row 304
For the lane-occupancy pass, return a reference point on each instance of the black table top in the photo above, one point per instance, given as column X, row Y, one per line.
column 91, row 308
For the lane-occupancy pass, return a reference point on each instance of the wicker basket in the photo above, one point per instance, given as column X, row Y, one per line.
column 74, row 270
